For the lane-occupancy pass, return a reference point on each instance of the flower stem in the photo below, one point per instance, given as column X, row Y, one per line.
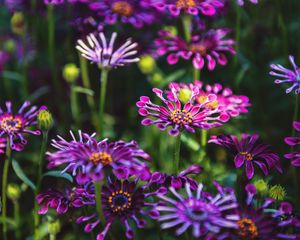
column 237, row 32
column 177, row 154
column 38, row 185
column 74, row 106
column 52, row 237
column 186, row 23
column 203, row 143
column 4, row 188
column 98, row 192
column 17, row 218
column 104, row 75
column 197, row 74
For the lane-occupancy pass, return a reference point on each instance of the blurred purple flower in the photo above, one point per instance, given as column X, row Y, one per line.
column 180, row 117
column 294, row 141
column 204, row 213
column 207, row 47
column 15, row 126
column 103, row 53
column 88, row 158
column 247, row 151
column 2, row 145
column 241, row 2
column 287, row 75
column 54, row 2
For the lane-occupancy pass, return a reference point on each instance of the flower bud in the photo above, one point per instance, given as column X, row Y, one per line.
column 277, row 192
column 54, row 227
column 13, row 191
column 45, row 120
column 18, row 24
column 70, row 72
column 184, row 95
column 261, row 187
column 157, row 78
column 9, row 46
column 147, row 64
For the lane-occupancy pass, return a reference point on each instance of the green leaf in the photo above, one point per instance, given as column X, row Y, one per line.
column 173, row 77
column 191, row 143
column 86, row 91
column 19, row 172
column 12, row 76
column 59, row 174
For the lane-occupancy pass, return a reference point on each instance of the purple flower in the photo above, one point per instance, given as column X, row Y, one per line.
column 124, row 201
column 247, row 151
column 287, row 75
column 192, row 7
column 294, row 141
column 135, row 12
column 207, row 47
column 15, row 126
column 241, row 2
column 88, row 158
column 2, row 145
column 63, row 201
column 204, row 213
column 54, row 2
column 178, row 117
column 103, row 54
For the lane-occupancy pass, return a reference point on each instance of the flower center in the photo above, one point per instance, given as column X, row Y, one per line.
column 122, row 8
column 101, row 157
column 186, row 3
column 247, row 229
column 211, row 105
column 249, row 156
column 11, row 124
column 198, row 48
column 119, row 201
column 181, row 117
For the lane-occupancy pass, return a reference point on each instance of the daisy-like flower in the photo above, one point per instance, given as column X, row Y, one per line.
column 205, row 213
column 103, row 54
column 135, row 12
column 126, row 202
column 241, row 2
column 178, row 117
column 15, row 126
column 209, row 47
column 88, row 158
column 192, row 7
column 286, row 75
column 249, row 152
column 294, row 141
column 226, row 101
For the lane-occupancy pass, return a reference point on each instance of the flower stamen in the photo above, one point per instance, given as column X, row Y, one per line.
column 120, row 201
column 186, row 3
column 181, row 117
column 122, row 8
column 247, row 229
column 101, row 157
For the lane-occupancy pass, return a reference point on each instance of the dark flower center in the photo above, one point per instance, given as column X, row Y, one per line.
column 119, row 201
column 101, row 157
column 196, row 214
column 198, row 48
column 11, row 124
column 181, row 117
column 249, row 156
column 186, row 3
column 247, row 229
column 122, row 8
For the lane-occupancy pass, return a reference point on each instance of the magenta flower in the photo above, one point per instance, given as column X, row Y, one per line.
column 192, row 7
column 294, row 141
column 209, row 47
column 241, row 2
column 88, row 158
column 178, row 117
column 287, row 76
column 54, row 2
column 2, row 145
column 248, row 152
column 15, row 126
column 226, row 101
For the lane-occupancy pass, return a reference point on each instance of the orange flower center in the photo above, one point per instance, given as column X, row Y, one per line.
column 247, row 229
column 181, row 117
column 120, row 201
column 198, row 48
column 211, row 105
column 186, row 3
column 102, row 157
column 249, row 156
column 11, row 124
column 122, row 8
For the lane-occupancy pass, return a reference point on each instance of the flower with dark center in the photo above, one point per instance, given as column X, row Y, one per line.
column 15, row 126
column 249, row 152
column 88, row 158
column 187, row 117
column 207, row 47
column 294, row 142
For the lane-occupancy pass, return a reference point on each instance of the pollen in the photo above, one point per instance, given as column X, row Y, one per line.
column 247, row 229
column 122, row 8
column 101, row 157
column 249, row 156
column 198, row 48
column 181, row 117
column 11, row 124
column 186, row 3
column 119, row 201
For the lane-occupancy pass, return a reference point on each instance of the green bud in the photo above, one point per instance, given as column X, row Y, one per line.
column 147, row 64
column 18, row 24
column 261, row 186
column 157, row 78
column 277, row 192
column 54, row 227
column 13, row 191
column 45, row 120
column 9, row 46
column 184, row 95
column 70, row 72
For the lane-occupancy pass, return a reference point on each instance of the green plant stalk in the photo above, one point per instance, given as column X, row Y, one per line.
column 282, row 27
column 52, row 237
column 24, row 70
column 38, row 185
column 4, row 188
column 74, row 106
column 186, row 23
column 237, row 32
column 17, row 219
column 104, row 75
column 176, row 160
column 98, row 192
column 203, row 143
column 197, row 74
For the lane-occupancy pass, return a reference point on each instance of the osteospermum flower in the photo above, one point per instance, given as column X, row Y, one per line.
column 209, row 47
column 192, row 7
column 226, row 101
column 294, row 141
column 205, row 214
column 286, row 75
column 15, row 126
column 88, row 158
column 178, row 117
column 103, row 54
column 249, row 152
column 135, row 12
column 124, row 201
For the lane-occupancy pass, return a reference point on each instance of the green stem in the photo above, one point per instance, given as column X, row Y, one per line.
column 4, row 188
column 197, row 74
column 17, row 218
column 98, row 192
column 203, row 143
column 52, row 237
column 176, row 162
column 38, row 185
column 74, row 106
column 237, row 32
column 104, row 75
column 186, row 23
column 24, row 70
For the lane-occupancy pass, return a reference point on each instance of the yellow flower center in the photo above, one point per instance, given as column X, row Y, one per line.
column 122, row 8
column 211, row 105
column 120, row 201
column 198, row 48
column 101, row 157
column 249, row 156
column 11, row 124
column 247, row 229
column 181, row 117
column 186, row 3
